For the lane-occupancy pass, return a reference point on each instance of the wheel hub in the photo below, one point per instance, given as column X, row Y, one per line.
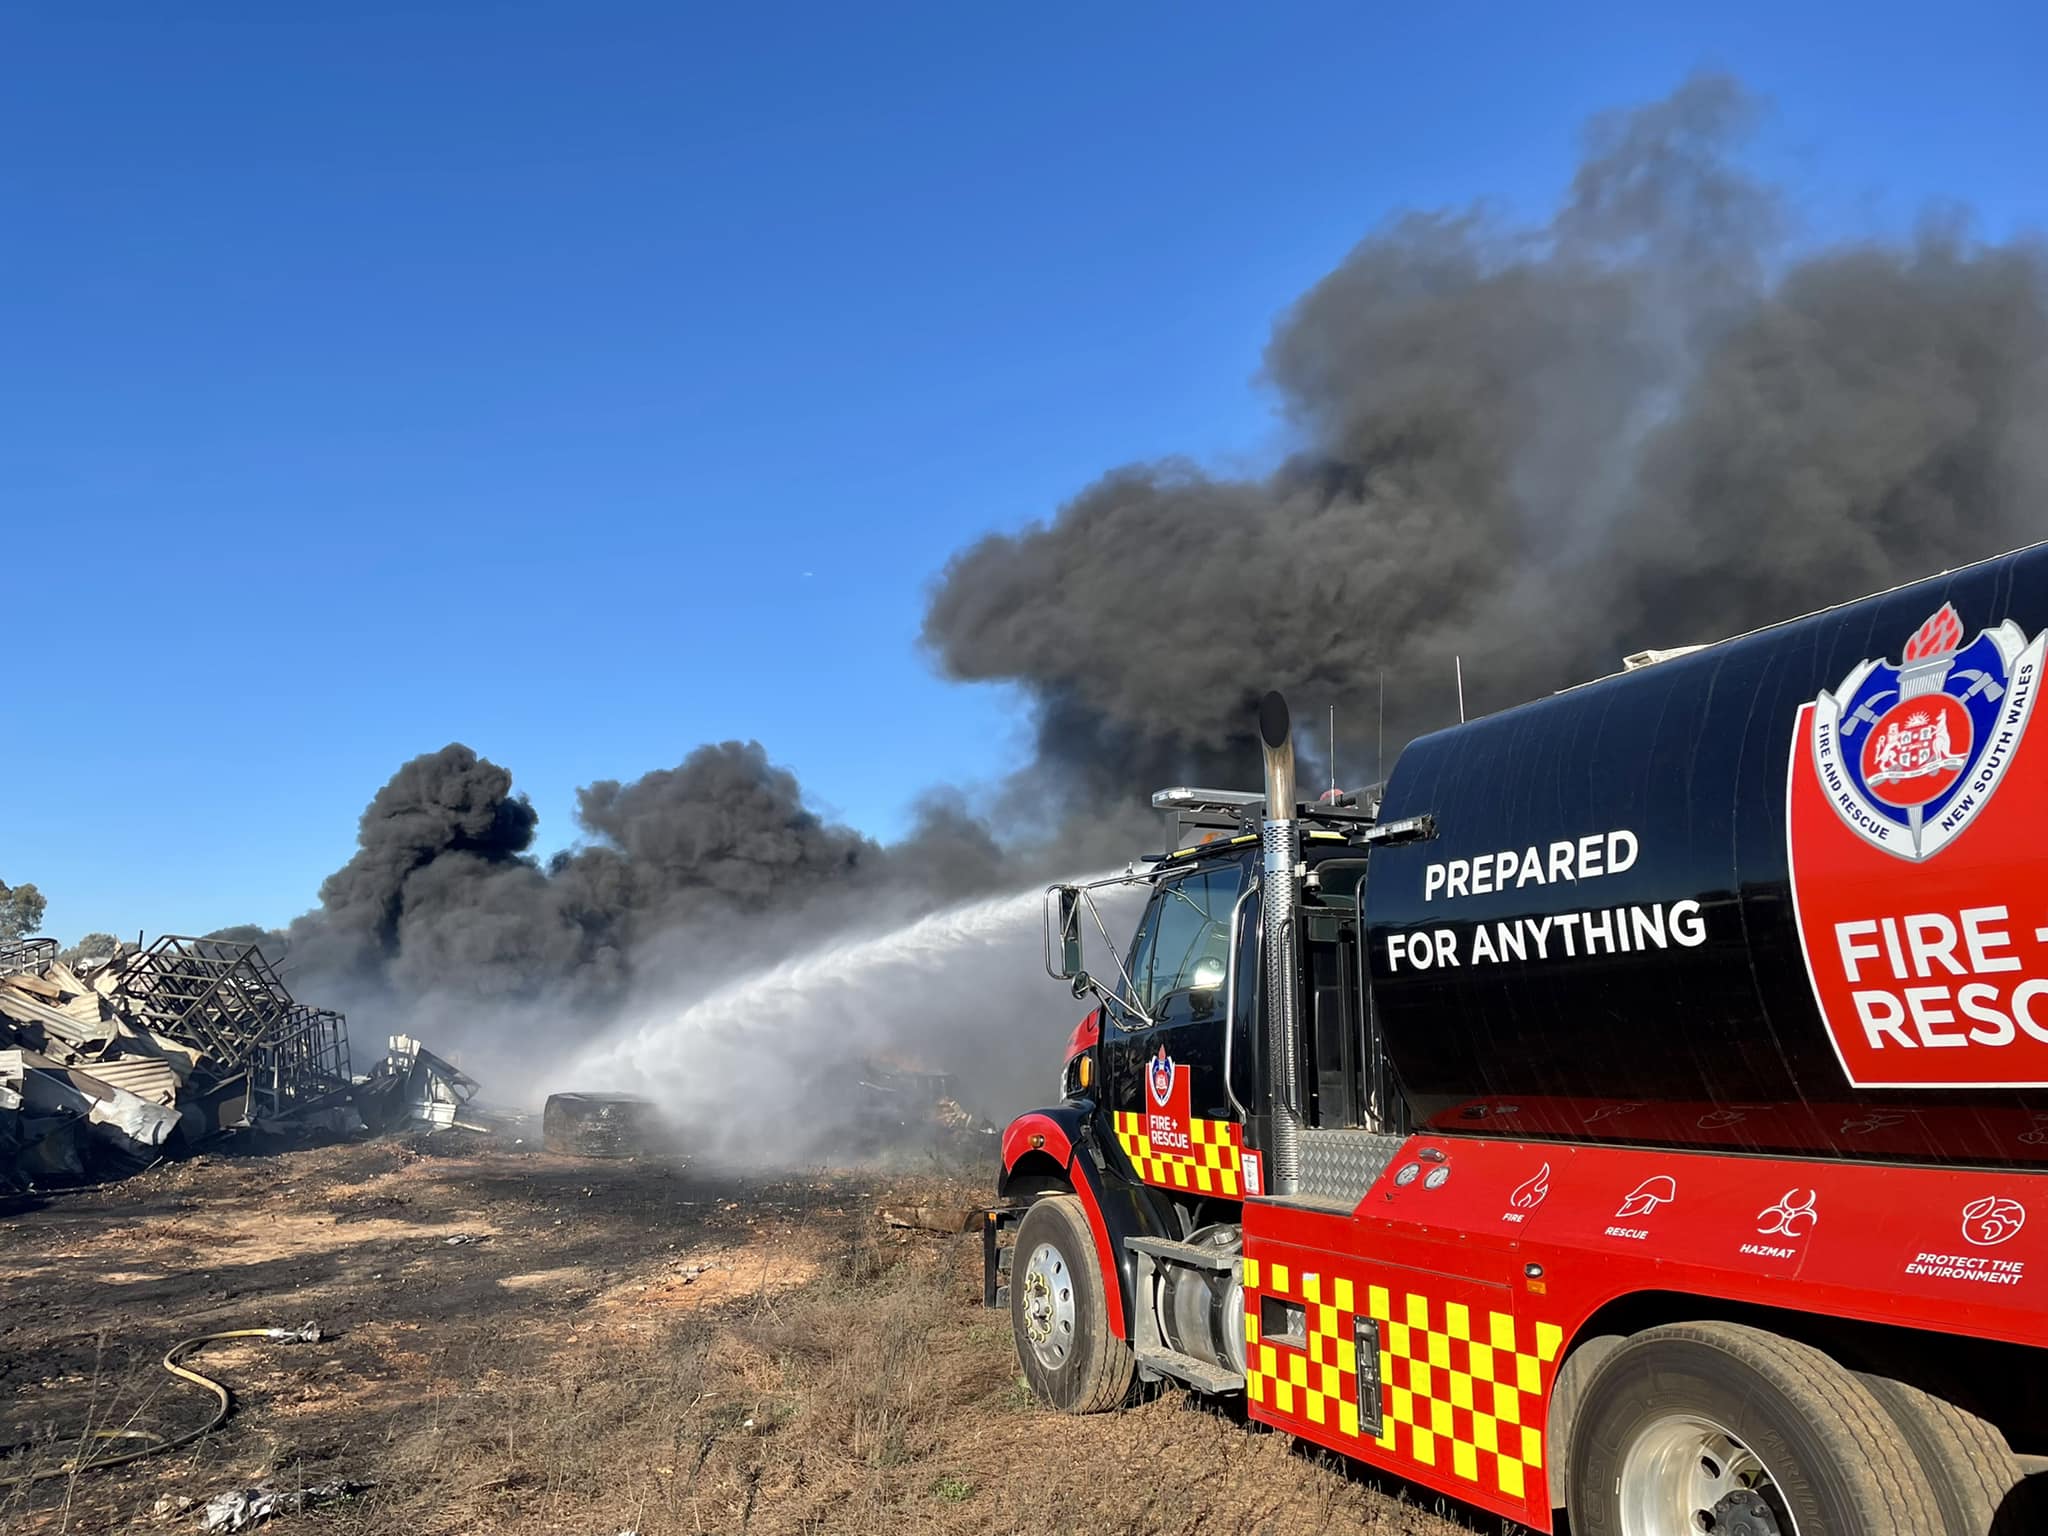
column 1687, row 1476
column 1049, row 1306
column 1746, row 1513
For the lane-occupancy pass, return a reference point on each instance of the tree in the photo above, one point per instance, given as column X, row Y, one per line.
column 94, row 946
column 21, row 910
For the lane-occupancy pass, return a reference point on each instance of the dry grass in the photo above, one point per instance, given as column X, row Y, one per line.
column 875, row 1398
column 803, row 1410
column 582, row 1373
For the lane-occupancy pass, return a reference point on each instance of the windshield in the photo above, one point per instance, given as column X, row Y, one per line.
column 1183, row 944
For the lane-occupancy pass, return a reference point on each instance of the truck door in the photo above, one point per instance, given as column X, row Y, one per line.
column 1165, row 1078
column 1348, row 1082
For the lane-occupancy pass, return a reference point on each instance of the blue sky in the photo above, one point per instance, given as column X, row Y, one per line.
column 584, row 382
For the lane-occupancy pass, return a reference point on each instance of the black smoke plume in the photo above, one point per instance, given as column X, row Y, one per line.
column 444, row 918
column 444, row 894
column 1653, row 419
column 1649, row 422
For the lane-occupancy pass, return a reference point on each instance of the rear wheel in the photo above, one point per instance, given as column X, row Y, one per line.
column 1714, row 1429
column 1060, row 1315
column 1968, row 1462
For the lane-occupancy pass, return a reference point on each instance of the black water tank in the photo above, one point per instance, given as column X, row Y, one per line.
column 1787, row 892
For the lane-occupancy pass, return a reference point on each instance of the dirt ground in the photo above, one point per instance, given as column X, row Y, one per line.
column 611, row 1347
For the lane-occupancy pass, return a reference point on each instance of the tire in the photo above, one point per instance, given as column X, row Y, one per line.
column 1752, row 1429
column 1968, row 1462
column 1567, row 1394
column 1059, row 1314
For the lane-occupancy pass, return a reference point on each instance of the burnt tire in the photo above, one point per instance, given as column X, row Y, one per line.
column 1716, row 1426
column 1975, row 1478
column 1060, row 1315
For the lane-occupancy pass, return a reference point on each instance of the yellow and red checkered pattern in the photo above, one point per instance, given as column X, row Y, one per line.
column 1211, row 1166
column 1460, row 1387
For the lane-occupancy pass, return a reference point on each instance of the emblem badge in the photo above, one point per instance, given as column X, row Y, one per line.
column 1159, row 1078
column 1883, row 774
column 1909, row 755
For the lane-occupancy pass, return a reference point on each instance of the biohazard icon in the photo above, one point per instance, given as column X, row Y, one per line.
column 1793, row 1216
column 1532, row 1192
column 1648, row 1195
column 1993, row 1220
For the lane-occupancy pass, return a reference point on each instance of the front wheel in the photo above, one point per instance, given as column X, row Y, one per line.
column 1060, row 1315
column 1715, row 1427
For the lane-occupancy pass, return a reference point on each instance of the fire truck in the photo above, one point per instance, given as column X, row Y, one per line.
column 1633, row 1115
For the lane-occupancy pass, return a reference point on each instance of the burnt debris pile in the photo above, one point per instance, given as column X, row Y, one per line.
column 115, row 1062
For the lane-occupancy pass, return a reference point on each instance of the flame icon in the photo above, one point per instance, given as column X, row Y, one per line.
column 1938, row 636
column 1531, row 1192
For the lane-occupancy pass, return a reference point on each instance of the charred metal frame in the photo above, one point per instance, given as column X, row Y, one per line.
column 221, row 997
column 228, row 1001
column 308, row 1061
column 27, row 957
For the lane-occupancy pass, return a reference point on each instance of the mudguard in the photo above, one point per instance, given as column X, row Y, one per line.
column 1058, row 1139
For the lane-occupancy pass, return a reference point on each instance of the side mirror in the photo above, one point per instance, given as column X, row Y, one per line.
column 1207, row 975
column 1083, row 983
column 1063, row 932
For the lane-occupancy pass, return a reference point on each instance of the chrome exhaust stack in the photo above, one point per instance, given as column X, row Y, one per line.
column 1280, row 843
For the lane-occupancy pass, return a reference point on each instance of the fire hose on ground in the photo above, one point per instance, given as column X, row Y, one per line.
column 154, row 1444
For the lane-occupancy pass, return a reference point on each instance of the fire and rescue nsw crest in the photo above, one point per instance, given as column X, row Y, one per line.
column 1910, row 755
column 1938, row 979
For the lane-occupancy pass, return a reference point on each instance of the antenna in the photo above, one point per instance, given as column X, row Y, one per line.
column 1333, row 752
column 1380, row 751
column 1460, row 662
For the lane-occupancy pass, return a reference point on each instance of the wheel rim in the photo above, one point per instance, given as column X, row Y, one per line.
column 1687, row 1476
column 1049, row 1306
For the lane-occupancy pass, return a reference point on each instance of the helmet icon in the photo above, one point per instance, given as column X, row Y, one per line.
column 1648, row 1195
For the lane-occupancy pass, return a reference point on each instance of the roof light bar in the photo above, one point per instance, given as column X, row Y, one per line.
column 1406, row 829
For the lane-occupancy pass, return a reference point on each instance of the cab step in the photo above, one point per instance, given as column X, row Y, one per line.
column 1196, row 1254
column 996, row 1256
column 1156, row 1360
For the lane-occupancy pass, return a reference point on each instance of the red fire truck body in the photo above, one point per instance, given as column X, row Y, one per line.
column 1640, row 1112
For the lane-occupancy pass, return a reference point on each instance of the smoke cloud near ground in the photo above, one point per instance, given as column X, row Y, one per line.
column 446, row 925
column 816, row 1038
column 1651, row 419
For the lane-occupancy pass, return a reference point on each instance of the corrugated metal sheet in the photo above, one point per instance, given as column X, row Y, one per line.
column 146, row 1079
column 23, row 1009
column 72, row 1090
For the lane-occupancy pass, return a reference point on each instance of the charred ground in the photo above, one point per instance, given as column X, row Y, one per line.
column 621, row 1345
